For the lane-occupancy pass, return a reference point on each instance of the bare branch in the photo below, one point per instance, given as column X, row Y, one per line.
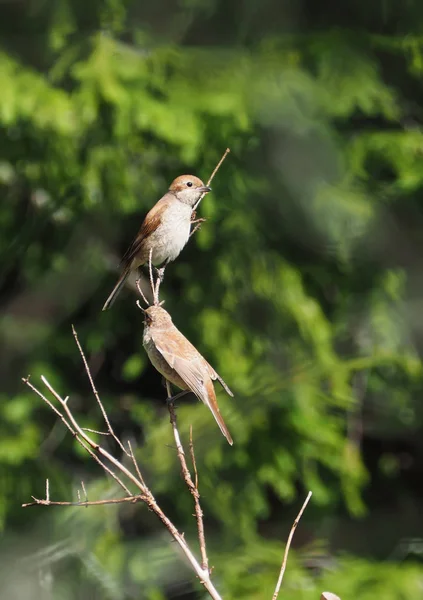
column 96, row 447
column 188, row 480
column 41, row 502
column 95, row 431
column 134, row 460
column 288, row 544
column 217, row 167
column 79, row 438
column 150, row 270
column 139, row 288
column 47, row 401
column 191, row 451
column 95, row 392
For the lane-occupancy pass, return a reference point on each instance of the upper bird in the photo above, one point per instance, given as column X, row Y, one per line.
column 180, row 362
column 164, row 231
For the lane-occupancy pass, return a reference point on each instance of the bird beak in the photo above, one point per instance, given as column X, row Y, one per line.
column 204, row 189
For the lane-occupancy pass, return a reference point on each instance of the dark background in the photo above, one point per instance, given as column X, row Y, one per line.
column 304, row 290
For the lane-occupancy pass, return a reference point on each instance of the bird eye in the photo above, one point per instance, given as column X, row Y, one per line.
column 189, row 183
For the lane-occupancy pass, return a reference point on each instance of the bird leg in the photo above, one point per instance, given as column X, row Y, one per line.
column 197, row 226
column 160, row 272
column 171, row 399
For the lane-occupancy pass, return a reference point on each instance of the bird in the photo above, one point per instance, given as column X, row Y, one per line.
column 164, row 231
column 179, row 361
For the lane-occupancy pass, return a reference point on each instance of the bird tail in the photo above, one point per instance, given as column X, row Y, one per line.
column 212, row 404
column 121, row 282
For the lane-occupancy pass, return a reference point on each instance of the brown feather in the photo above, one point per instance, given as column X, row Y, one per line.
column 149, row 225
column 192, row 369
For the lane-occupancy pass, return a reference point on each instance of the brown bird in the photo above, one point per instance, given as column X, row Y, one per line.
column 180, row 362
column 164, row 231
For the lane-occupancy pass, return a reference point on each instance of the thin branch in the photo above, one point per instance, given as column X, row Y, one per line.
column 139, row 288
column 134, row 460
column 96, row 447
column 95, row 431
column 150, row 270
column 217, row 167
column 191, row 451
column 41, row 502
column 103, row 466
column 198, row 509
column 288, row 545
column 47, row 401
column 85, row 491
column 188, row 480
column 96, row 394
column 79, row 439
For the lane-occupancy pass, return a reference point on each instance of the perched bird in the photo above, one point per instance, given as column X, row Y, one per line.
column 180, row 362
column 164, row 231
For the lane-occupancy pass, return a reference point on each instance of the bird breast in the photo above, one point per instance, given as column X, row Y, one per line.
column 173, row 232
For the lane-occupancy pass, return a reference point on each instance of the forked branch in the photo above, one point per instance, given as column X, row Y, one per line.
column 126, row 477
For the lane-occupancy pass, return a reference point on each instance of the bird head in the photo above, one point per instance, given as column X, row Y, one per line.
column 157, row 316
column 188, row 189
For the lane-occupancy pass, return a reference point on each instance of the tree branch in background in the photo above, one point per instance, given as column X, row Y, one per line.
column 288, row 545
column 119, row 472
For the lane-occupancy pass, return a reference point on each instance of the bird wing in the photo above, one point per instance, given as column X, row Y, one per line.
column 193, row 369
column 215, row 376
column 149, row 226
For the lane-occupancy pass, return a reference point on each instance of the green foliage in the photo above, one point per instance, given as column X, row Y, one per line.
column 302, row 288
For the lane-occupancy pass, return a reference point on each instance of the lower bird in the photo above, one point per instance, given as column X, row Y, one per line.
column 180, row 363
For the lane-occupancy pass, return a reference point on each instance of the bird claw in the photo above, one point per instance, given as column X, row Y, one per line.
column 171, row 399
column 198, row 223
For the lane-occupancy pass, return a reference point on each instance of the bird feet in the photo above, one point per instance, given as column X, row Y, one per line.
column 171, row 399
column 197, row 223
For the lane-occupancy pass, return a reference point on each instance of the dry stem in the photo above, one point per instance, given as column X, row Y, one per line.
column 288, row 545
column 193, row 487
column 96, row 394
column 217, row 167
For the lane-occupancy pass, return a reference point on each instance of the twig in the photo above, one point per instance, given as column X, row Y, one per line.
column 217, row 167
column 41, row 502
column 95, row 431
column 150, row 269
column 155, row 287
column 85, row 491
column 288, row 544
column 134, row 460
column 191, row 451
column 96, row 394
column 80, row 438
column 138, row 284
column 188, row 480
